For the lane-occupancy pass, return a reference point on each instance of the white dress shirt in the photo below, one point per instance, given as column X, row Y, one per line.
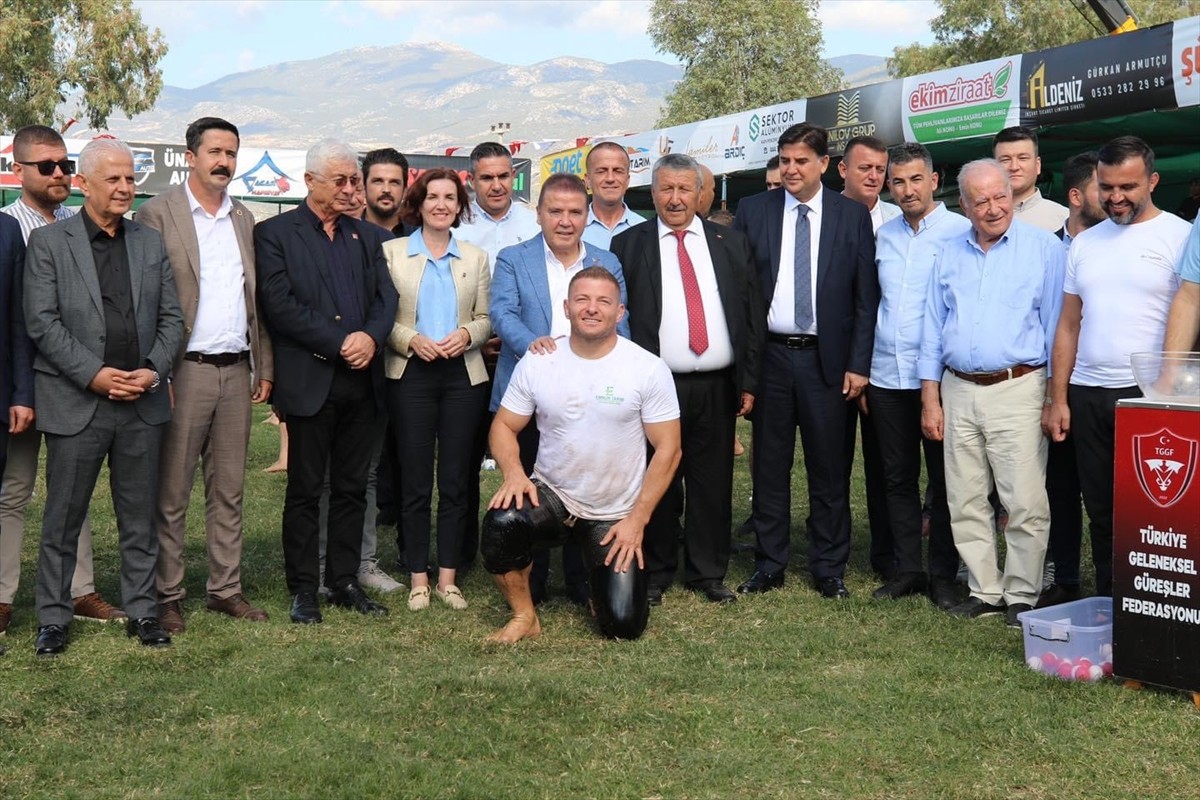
column 559, row 277
column 517, row 225
column 781, row 318
column 221, row 324
column 673, row 345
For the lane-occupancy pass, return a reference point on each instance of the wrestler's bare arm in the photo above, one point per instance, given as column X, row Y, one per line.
column 502, row 439
column 626, row 535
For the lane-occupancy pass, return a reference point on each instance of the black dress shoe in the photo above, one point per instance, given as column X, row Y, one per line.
column 761, row 582
column 305, row 609
column 901, row 585
column 654, row 594
column 51, row 640
column 832, row 588
column 1057, row 594
column 352, row 596
column 148, row 631
column 943, row 593
column 715, row 592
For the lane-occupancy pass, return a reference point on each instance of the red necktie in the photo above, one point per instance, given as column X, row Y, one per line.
column 697, row 331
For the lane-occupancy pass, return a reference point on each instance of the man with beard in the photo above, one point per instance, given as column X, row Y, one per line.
column 40, row 163
column 907, row 251
column 224, row 365
column 385, row 177
column 607, row 179
column 1121, row 277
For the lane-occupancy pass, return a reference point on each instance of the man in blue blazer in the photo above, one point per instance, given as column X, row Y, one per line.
column 815, row 254
column 329, row 304
column 529, row 285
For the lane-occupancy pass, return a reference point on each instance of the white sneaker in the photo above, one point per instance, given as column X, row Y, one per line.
column 370, row 576
column 488, row 464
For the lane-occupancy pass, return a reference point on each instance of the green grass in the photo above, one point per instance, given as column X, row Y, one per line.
column 780, row 696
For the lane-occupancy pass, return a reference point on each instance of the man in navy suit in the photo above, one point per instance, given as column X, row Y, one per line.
column 329, row 304
column 815, row 254
column 694, row 301
column 529, row 285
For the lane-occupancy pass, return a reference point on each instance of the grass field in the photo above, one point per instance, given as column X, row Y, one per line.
column 780, row 696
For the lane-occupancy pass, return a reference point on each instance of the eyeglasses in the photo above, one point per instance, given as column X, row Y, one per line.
column 340, row 181
column 46, row 168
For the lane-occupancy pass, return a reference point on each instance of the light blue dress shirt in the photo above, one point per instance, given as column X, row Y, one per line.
column 437, row 299
column 987, row 311
column 597, row 235
column 1189, row 261
column 904, row 260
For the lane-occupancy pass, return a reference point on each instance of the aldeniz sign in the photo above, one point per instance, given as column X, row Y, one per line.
column 1156, row 545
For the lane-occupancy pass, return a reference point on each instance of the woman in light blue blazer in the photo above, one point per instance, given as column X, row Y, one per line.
column 437, row 383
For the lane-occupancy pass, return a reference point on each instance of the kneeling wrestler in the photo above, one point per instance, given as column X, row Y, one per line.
column 598, row 400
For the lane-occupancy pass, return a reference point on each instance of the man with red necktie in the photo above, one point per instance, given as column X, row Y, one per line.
column 693, row 301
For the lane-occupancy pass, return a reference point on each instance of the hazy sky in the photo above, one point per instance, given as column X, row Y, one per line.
column 212, row 38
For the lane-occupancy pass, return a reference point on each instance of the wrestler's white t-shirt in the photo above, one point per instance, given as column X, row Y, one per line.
column 590, row 413
column 1126, row 276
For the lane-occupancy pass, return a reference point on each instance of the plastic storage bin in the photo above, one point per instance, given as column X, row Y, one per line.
column 1072, row 641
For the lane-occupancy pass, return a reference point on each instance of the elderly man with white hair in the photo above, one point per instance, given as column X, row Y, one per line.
column 991, row 309
column 101, row 308
column 329, row 304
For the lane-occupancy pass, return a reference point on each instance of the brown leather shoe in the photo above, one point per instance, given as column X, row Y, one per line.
column 94, row 607
column 5, row 617
column 237, row 607
column 170, row 617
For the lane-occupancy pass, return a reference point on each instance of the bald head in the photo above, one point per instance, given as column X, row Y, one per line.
column 708, row 191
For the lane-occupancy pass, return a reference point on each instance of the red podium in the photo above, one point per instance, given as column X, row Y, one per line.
column 1156, row 545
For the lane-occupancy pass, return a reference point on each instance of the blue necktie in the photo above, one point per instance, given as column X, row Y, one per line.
column 803, row 269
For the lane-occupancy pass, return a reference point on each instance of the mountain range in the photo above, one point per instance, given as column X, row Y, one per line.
column 425, row 97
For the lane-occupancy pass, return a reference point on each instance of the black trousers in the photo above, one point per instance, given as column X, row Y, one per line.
column 435, row 408
column 895, row 418
column 1066, row 510
column 883, row 551
column 792, row 394
column 511, row 535
column 340, row 437
column 1093, row 427
column 470, row 539
column 707, row 417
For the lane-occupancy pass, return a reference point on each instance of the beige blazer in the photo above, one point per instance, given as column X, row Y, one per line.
column 170, row 214
column 472, row 280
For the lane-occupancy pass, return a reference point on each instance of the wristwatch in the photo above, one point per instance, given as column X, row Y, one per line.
column 154, row 383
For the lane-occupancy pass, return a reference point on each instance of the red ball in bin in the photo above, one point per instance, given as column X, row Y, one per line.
column 1106, row 668
column 1083, row 662
column 1082, row 673
column 1066, row 670
column 1050, row 662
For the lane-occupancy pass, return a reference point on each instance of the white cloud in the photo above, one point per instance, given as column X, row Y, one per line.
column 895, row 19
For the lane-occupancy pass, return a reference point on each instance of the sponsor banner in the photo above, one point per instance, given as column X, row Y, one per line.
column 872, row 110
column 1185, row 56
column 764, row 126
column 572, row 161
column 961, row 103
column 1106, row 77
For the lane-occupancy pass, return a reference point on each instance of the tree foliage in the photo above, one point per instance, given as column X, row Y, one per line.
column 95, row 53
column 967, row 31
column 738, row 54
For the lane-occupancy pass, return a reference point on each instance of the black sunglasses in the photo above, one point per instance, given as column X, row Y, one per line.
column 46, row 168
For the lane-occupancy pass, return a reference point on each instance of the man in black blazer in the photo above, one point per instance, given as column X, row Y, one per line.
column 16, row 350
column 694, row 301
column 329, row 304
column 815, row 255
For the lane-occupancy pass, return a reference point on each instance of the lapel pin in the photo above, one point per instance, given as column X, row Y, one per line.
column 354, row 236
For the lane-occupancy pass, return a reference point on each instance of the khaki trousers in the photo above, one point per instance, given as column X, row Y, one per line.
column 994, row 432
column 210, row 424
column 20, row 476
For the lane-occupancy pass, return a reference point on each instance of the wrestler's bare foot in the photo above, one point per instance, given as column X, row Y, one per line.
column 521, row 626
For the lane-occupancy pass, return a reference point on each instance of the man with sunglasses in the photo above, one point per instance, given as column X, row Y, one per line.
column 42, row 167
column 329, row 303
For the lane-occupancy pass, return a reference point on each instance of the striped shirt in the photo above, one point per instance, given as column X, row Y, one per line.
column 31, row 219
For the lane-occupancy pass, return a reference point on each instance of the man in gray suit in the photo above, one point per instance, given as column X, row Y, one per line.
column 224, row 364
column 102, row 311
